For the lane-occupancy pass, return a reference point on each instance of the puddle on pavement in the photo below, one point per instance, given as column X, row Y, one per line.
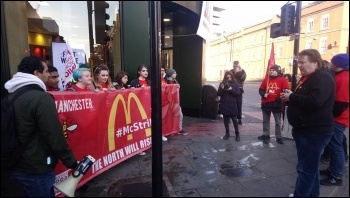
column 263, row 144
column 237, row 172
column 242, row 168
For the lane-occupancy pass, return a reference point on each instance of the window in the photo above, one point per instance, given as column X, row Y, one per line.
column 260, row 54
column 308, row 44
column 261, row 38
column 252, row 58
column 279, row 51
column 310, row 25
column 246, row 55
column 325, row 22
column 323, row 45
column 253, row 40
column 247, row 42
column 236, row 45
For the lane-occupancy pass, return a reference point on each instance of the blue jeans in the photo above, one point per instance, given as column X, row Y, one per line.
column 36, row 185
column 335, row 146
column 309, row 149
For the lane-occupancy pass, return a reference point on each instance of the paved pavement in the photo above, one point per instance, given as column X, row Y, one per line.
column 202, row 164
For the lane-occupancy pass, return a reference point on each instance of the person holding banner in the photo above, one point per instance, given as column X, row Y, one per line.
column 310, row 114
column 101, row 80
column 82, row 79
column 121, row 80
column 38, row 127
column 52, row 82
column 270, row 90
column 141, row 79
column 171, row 79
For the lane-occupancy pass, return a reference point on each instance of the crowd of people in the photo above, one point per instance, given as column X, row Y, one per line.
column 318, row 111
column 48, row 145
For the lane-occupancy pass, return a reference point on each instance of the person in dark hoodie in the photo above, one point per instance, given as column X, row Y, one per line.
column 310, row 114
column 37, row 121
column 270, row 89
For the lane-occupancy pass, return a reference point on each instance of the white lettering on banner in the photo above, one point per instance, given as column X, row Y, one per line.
column 119, row 154
column 146, row 142
column 73, row 105
column 61, row 177
column 131, row 148
column 107, row 160
column 130, row 128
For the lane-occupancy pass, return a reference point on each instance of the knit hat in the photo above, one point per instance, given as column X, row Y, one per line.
column 170, row 72
column 341, row 61
column 275, row 67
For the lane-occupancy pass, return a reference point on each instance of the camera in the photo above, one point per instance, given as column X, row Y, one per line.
column 227, row 86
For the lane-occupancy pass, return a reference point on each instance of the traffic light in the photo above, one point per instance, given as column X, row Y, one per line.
column 287, row 19
column 275, row 30
column 100, row 21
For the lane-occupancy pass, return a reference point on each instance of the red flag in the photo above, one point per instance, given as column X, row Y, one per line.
column 270, row 63
column 271, row 60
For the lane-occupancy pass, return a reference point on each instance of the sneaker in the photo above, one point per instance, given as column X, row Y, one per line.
column 239, row 121
column 279, row 140
column 238, row 138
column 142, row 153
column 182, row 132
column 291, row 195
column 325, row 172
column 331, row 181
column 164, row 138
column 264, row 137
column 226, row 137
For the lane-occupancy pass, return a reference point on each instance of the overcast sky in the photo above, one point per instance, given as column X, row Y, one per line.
column 240, row 14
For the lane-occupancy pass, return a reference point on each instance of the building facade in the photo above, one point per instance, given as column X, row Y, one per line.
column 324, row 26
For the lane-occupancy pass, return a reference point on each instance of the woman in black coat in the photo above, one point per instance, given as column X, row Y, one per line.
column 228, row 91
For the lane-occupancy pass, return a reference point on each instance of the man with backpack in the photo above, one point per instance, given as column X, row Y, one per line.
column 38, row 131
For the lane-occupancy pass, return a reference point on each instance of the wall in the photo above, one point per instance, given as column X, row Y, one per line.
column 188, row 63
column 16, row 30
column 135, row 45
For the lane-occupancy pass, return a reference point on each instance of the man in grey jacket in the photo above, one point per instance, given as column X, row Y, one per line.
column 37, row 120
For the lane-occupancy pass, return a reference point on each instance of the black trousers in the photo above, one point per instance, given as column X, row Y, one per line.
column 227, row 122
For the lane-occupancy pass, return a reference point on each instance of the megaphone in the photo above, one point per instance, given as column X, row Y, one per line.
column 68, row 186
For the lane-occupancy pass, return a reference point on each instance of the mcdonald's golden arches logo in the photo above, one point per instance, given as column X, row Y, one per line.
column 127, row 113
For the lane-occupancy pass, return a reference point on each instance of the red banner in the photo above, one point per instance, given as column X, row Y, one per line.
column 111, row 126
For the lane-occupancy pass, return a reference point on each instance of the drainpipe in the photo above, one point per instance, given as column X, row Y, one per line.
column 296, row 44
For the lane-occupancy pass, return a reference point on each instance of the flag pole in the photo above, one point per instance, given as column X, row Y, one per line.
column 269, row 64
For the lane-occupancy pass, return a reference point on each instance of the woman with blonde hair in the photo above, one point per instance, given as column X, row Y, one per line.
column 101, row 80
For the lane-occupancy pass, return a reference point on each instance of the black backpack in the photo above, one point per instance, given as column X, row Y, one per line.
column 11, row 149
